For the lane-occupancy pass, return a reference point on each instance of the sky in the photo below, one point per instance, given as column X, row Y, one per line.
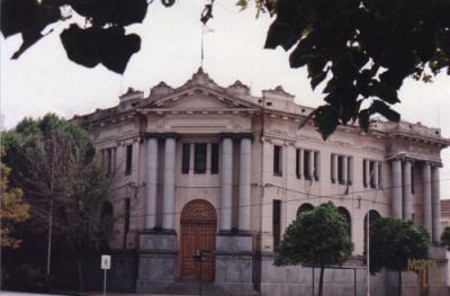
column 44, row 80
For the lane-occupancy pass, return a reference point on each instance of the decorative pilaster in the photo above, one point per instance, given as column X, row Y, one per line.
column 151, row 174
column 436, row 204
column 244, row 184
column 168, row 222
column 396, row 199
column 426, row 203
column 226, row 188
column 407, row 191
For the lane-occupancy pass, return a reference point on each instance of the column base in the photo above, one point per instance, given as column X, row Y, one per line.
column 234, row 263
column 158, row 253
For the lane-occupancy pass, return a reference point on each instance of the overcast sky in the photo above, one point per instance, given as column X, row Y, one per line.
column 44, row 80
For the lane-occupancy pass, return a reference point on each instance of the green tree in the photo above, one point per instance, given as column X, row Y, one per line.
column 56, row 166
column 12, row 209
column 445, row 237
column 393, row 242
column 318, row 238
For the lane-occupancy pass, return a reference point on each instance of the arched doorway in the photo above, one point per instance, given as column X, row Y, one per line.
column 344, row 212
column 198, row 232
column 305, row 208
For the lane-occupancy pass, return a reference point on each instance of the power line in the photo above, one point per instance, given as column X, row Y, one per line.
column 308, row 196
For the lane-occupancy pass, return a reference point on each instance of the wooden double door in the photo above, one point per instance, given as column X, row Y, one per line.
column 198, row 233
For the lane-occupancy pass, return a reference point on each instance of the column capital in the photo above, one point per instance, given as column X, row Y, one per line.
column 227, row 136
column 170, row 135
column 163, row 136
column 147, row 136
column 245, row 136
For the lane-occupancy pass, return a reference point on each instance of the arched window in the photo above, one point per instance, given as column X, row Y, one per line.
column 305, row 208
column 373, row 217
column 344, row 212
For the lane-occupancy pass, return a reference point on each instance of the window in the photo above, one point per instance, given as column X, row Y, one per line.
column 298, row 163
column 412, row 179
column 307, row 164
column 129, row 159
column 107, row 158
column 306, row 207
column 277, row 160
column 340, row 169
column 344, row 212
column 276, row 223
column 186, row 153
column 333, row 168
column 364, row 173
column 316, row 171
column 371, row 173
column 380, row 181
column 349, row 170
column 200, row 158
column 214, row 158
column 127, row 214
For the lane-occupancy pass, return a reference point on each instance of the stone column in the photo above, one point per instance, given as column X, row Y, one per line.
column 226, row 187
column 396, row 198
column 436, row 204
column 151, row 174
column 407, row 191
column 426, row 195
column 168, row 222
column 244, row 184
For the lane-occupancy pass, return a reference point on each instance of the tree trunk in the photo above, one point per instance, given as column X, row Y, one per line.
column 322, row 269
column 399, row 283
column 80, row 275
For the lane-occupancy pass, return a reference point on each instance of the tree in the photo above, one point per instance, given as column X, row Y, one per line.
column 56, row 166
column 445, row 237
column 318, row 238
column 12, row 210
column 364, row 49
column 393, row 242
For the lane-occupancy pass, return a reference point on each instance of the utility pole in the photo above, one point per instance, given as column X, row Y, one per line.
column 50, row 216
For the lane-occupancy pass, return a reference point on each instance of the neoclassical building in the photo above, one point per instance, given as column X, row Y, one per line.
column 202, row 167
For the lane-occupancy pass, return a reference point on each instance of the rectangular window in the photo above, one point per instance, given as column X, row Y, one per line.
column 316, row 165
column 129, row 159
column 107, row 161
column 185, row 158
column 200, row 158
column 307, row 164
column 412, row 179
column 214, row 158
column 276, row 223
column 372, row 174
column 127, row 214
column 364, row 173
column 380, row 181
column 340, row 169
column 277, row 160
column 298, row 163
column 333, row 168
column 349, row 170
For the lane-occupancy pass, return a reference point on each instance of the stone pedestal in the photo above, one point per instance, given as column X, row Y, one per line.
column 234, row 263
column 158, row 253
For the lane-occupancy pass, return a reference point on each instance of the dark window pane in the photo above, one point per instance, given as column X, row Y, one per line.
column 129, row 158
column 277, row 160
column 332, row 166
column 316, row 165
column 349, row 171
column 340, row 169
column 127, row 215
column 372, row 173
column 186, row 152
column 364, row 173
column 200, row 158
column 214, row 158
column 306, row 164
column 297, row 163
column 276, row 223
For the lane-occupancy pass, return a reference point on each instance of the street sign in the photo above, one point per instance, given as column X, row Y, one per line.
column 106, row 262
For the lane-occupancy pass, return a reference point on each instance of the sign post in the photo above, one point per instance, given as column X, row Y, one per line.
column 105, row 265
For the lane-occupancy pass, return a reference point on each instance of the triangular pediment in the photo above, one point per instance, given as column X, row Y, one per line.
column 199, row 98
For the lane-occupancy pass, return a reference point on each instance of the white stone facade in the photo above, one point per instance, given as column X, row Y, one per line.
column 393, row 169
